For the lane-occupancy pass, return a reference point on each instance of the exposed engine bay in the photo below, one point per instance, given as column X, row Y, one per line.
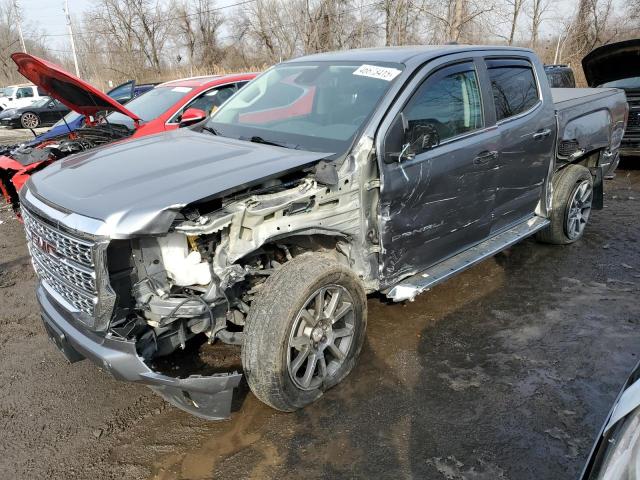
column 77, row 141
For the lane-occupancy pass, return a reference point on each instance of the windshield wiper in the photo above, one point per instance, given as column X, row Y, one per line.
column 211, row 130
column 256, row 139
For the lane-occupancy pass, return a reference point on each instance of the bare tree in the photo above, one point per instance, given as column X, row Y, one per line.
column 134, row 30
column 537, row 12
column 515, row 7
column 455, row 19
column 197, row 27
column 10, row 43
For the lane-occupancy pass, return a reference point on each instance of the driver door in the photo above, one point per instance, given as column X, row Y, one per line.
column 438, row 194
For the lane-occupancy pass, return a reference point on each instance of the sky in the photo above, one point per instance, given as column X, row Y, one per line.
column 48, row 17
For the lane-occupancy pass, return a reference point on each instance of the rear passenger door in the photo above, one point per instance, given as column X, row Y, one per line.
column 527, row 133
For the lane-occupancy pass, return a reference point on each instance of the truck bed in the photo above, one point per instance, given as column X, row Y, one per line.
column 570, row 97
column 589, row 120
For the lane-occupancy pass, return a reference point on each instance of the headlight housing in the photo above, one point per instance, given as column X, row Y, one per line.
column 621, row 458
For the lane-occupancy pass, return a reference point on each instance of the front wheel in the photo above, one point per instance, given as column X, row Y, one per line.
column 304, row 331
column 571, row 206
column 29, row 120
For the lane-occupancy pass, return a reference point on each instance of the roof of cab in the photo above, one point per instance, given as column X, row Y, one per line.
column 190, row 82
column 403, row 54
column 202, row 81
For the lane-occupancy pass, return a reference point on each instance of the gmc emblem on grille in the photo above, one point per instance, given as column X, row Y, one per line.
column 43, row 245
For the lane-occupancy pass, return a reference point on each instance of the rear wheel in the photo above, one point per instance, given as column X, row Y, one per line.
column 29, row 120
column 571, row 206
column 304, row 332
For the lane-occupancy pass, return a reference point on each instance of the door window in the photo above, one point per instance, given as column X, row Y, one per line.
column 514, row 87
column 445, row 106
column 208, row 102
column 24, row 92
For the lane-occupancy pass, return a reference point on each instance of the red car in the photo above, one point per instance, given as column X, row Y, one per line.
column 168, row 106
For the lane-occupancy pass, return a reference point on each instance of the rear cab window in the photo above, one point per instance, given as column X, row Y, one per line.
column 514, row 86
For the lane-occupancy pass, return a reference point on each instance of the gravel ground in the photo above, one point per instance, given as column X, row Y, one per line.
column 505, row 372
column 9, row 136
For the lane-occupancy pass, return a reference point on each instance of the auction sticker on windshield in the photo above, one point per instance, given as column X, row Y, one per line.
column 381, row 73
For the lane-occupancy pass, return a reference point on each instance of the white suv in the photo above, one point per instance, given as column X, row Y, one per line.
column 17, row 96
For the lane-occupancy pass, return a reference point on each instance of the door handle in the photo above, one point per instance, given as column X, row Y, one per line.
column 485, row 157
column 540, row 134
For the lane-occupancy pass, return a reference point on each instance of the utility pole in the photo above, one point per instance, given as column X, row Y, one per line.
column 19, row 22
column 73, row 43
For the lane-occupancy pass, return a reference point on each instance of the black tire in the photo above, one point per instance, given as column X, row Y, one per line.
column 29, row 120
column 565, row 186
column 270, row 327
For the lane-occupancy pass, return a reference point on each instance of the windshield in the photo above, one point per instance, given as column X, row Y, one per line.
column 41, row 102
column 316, row 106
column 150, row 104
column 629, row 83
column 8, row 92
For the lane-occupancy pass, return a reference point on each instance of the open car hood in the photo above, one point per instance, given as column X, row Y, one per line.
column 612, row 62
column 76, row 94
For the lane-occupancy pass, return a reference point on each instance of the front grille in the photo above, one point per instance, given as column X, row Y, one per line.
column 72, row 267
column 74, row 249
column 633, row 122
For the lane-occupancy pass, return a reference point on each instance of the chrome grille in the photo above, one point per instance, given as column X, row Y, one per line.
column 633, row 122
column 71, row 274
column 81, row 301
column 64, row 262
column 74, row 249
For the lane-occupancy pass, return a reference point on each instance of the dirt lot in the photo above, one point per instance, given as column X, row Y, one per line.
column 506, row 371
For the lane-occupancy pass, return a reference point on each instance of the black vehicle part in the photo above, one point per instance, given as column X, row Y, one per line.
column 566, row 185
column 271, row 325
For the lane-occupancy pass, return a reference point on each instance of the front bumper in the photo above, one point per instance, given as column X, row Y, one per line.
column 10, row 122
column 207, row 397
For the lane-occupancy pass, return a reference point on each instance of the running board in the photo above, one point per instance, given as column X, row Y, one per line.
column 409, row 288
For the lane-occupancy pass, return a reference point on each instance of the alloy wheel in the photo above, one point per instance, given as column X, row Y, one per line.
column 321, row 336
column 579, row 210
column 29, row 120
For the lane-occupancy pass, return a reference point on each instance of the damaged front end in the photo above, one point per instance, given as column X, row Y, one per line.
column 128, row 303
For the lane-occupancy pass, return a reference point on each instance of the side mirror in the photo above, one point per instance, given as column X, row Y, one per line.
column 406, row 139
column 192, row 116
column 51, row 105
column 423, row 137
column 394, row 142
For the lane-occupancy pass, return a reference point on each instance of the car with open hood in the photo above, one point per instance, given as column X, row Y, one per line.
column 72, row 121
column 262, row 229
column 617, row 65
column 158, row 110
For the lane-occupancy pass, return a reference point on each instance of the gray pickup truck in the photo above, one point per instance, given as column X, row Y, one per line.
column 327, row 178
